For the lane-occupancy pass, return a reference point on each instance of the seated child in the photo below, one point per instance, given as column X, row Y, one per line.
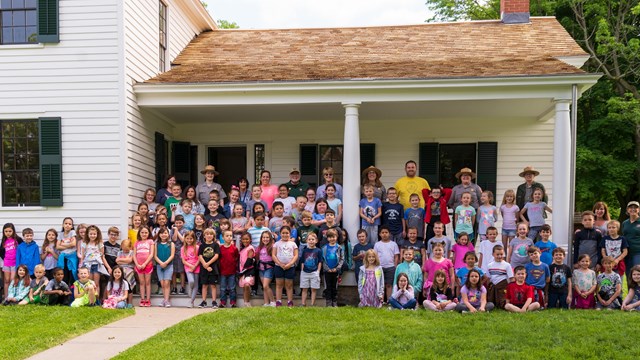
column 37, row 286
column 84, row 289
column 403, row 294
column 609, row 293
column 632, row 301
column 117, row 290
column 470, row 259
column 57, row 290
column 412, row 270
column 474, row 295
column 19, row 287
column 520, row 295
column 441, row 296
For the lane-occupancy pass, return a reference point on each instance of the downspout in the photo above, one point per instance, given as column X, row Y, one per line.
column 572, row 169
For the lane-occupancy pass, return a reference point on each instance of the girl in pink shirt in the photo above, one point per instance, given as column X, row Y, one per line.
column 143, row 253
column 8, row 250
column 189, row 255
column 458, row 250
column 435, row 263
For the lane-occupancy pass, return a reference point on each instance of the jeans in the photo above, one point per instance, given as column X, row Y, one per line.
column 411, row 304
column 228, row 288
column 558, row 300
column 193, row 285
column 631, row 261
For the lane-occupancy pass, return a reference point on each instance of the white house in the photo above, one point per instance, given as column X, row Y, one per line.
column 135, row 104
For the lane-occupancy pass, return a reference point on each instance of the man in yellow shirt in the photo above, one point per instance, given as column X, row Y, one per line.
column 411, row 184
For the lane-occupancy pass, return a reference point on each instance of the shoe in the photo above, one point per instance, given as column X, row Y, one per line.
column 278, row 303
column 254, row 292
column 174, row 291
column 214, row 305
column 162, row 303
column 302, row 305
column 190, row 306
column 183, row 291
column 465, row 312
column 167, row 304
column 328, row 302
column 129, row 306
column 334, row 303
column 267, row 305
column 233, row 304
column 290, row 303
column 245, row 305
column 223, row 304
column 339, row 279
column 203, row 305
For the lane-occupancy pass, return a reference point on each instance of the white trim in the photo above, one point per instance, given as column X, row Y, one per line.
column 122, row 101
column 23, row 208
column 351, row 169
column 577, row 61
column 21, row 116
column 22, row 46
column 561, row 172
column 197, row 14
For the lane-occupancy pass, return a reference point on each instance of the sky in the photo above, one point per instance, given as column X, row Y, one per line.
column 277, row 14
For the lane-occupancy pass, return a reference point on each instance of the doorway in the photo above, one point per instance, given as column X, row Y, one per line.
column 230, row 162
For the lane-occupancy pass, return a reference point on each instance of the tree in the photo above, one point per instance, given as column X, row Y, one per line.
column 225, row 24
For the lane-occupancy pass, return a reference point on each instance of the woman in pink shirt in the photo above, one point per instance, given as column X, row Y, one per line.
column 269, row 191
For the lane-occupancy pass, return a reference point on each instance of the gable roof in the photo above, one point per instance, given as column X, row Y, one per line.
column 428, row 51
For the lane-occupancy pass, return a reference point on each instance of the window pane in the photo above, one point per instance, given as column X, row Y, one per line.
column 8, row 162
column 6, row 4
column 30, row 4
column 34, row 179
column 35, row 197
column 31, row 18
column 9, row 181
column 34, row 161
column 19, row 18
column 7, row 146
column 18, row 4
column 20, row 128
column 19, row 35
column 10, row 196
column 7, row 19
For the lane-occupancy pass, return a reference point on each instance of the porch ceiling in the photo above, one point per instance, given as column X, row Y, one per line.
column 427, row 110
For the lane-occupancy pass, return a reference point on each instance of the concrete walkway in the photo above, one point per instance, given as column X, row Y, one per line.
column 110, row 340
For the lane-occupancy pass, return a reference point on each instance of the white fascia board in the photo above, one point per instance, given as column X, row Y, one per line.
column 577, row 61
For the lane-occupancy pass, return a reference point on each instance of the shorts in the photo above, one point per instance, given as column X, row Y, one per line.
column 389, row 273
column 509, row 232
column 266, row 273
column 9, row 268
column 147, row 270
column 246, row 281
column 209, row 278
column 288, row 274
column 178, row 266
column 93, row 268
column 164, row 274
column 309, row 280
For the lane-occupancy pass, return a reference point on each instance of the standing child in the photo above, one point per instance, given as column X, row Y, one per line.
column 81, row 232
column 403, row 294
column 277, row 211
column 285, row 255
column 615, row 246
column 462, row 246
column 441, row 296
column 214, row 216
column 84, row 289
column 19, row 287
column 247, row 270
column 117, row 290
column 332, row 260
column 389, row 255
column 435, row 208
column 632, row 301
column 414, row 244
column 487, row 214
column 393, row 216
column 164, row 255
column 412, row 270
column 265, row 264
column 545, row 245
column 185, row 210
column 136, row 222
column 239, row 223
column 519, row 247
column 500, row 274
column 609, row 292
column 414, row 216
column 171, row 204
column 370, row 213
column 584, row 284
column 336, row 204
column 470, row 260
column 560, row 286
column 438, row 236
column 437, row 262
column 287, row 201
column 177, row 237
column 125, row 259
column 93, row 254
column 359, row 251
column 464, row 218
column 535, row 211
column 510, row 213
column 200, row 223
column 318, row 215
column 486, row 247
column 111, row 248
column 208, row 254
column 371, row 282
column 586, row 241
column 538, row 276
column 311, row 260
column 57, row 290
column 474, row 295
column 330, row 223
column 225, row 225
column 229, row 257
column 143, row 253
column 256, row 198
column 36, row 287
column 49, row 255
column 520, row 296
column 66, row 245
column 28, row 252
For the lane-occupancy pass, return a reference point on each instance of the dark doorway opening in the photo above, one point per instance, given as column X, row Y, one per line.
column 230, row 162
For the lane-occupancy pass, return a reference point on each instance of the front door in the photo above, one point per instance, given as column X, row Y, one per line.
column 230, row 162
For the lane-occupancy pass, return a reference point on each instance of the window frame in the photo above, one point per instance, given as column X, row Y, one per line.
column 24, row 9
column 163, row 37
column 28, row 153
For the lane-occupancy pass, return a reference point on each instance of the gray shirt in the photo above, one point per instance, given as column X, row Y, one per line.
column 458, row 190
column 203, row 191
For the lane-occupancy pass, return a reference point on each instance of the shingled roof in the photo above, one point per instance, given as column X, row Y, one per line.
column 429, row 51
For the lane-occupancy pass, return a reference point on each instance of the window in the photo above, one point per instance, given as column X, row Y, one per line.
column 20, row 163
column 259, row 161
column 314, row 158
column 18, row 22
column 162, row 47
column 454, row 157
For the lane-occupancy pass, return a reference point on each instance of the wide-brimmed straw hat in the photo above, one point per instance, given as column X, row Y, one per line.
column 466, row 171
column 372, row 168
column 529, row 170
column 209, row 168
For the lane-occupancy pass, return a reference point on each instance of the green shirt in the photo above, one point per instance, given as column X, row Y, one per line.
column 631, row 232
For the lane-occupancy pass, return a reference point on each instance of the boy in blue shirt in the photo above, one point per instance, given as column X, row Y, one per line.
column 370, row 212
column 414, row 216
column 310, row 273
column 28, row 252
column 359, row 251
column 392, row 216
column 538, row 276
column 545, row 245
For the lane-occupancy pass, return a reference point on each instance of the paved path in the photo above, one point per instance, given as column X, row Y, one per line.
column 111, row 339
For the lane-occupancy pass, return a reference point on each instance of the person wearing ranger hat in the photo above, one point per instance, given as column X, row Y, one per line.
column 525, row 191
column 372, row 175
column 204, row 188
column 465, row 175
column 631, row 232
column 295, row 186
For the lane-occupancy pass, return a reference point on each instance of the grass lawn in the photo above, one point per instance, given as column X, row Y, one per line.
column 346, row 333
column 27, row 330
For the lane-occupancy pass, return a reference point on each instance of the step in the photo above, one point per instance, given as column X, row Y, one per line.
column 185, row 301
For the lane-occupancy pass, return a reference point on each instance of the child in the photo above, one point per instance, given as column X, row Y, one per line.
column 177, row 237
column 510, row 212
column 586, row 241
column 28, row 252
column 239, row 223
column 285, row 255
column 487, row 214
column 136, row 222
column 81, row 231
column 164, row 255
column 247, row 273
column 441, row 295
column 84, row 289
column 111, row 248
column 359, row 251
column 519, row 247
column 200, row 223
column 371, row 282
column 584, row 284
column 234, row 199
column 632, row 301
column 464, row 218
column 196, row 206
column 438, row 236
column 301, row 205
column 143, row 253
column 36, row 287
column 172, row 202
column 500, row 274
column 412, row 270
column 256, row 197
column 330, row 223
column 291, row 222
column 66, row 245
column 336, row 204
column 460, row 248
column 414, row 216
column 393, row 216
column 486, row 247
column 257, row 230
column 185, row 210
column 537, row 276
column 19, row 287
column 161, row 223
column 403, row 294
column 225, row 225
column 520, row 295
column 311, row 260
column 208, row 255
column 414, row 244
column 470, row 260
column 609, row 292
column 125, row 259
column 229, row 257
column 345, row 244
column 535, row 211
column 318, row 215
column 615, row 246
column 545, row 245
column 49, row 255
column 93, row 254
column 437, row 262
column 370, row 212
column 265, row 264
column 474, row 295
column 275, row 223
column 214, row 216
column 389, row 255
column 435, row 208
column 332, row 260
column 117, row 290
column 560, row 286
column 57, row 290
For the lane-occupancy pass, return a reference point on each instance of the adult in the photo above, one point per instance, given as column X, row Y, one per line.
column 410, row 184
column 372, row 175
column 204, row 188
column 328, row 176
column 524, row 192
column 631, row 232
column 269, row 191
column 165, row 192
column 601, row 210
column 465, row 175
column 295, row 186
column 245, row 191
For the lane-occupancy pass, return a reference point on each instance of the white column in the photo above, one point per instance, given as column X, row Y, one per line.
column 562, row 214
column 351, row 171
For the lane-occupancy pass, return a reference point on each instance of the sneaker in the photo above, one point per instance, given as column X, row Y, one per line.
column 183, row 291
column 278, row 303
column 174, row 291
column 167, row 304
column 334, row 303
column 254, row 292
column 203, row 304
column 233, row 304
column 129, row 306
column 162, row 303
column 190, row 306
column 272, row 304
column 245, row 305
column 223, row 304
column 327, row 302
column 267, row 305
column 290, row 303
column 214, row 305
column 465, row 312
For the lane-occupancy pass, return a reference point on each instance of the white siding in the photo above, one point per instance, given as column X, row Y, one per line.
column 78, row 81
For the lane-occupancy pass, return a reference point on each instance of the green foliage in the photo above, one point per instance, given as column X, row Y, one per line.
column 225, row 24
column 456, row 10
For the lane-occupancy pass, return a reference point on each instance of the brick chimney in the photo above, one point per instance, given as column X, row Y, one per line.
column 514, row 11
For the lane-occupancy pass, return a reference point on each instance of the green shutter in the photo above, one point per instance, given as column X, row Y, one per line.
column 309, row 164
column 487, row 166
column 48, row 21
column 429, row 163
column 161, row 172
column 50, row 162
column 182, row 162
column 367, row 156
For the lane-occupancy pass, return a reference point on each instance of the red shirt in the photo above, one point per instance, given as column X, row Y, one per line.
column 229, row 260
column 518, row 294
